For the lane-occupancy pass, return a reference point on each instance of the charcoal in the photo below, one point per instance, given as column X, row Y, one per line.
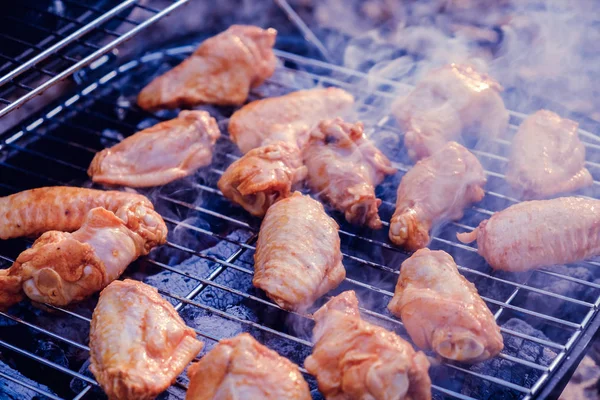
column 222, row 299
column 10, row 390
column 51, row 352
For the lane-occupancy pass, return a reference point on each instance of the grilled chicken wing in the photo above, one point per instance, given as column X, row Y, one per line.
column 287, row 118
column 353, row 359
column 442, row 311
column 298, row 256
column 263, row 176
column 449, row 101
column 61, row 268
column 61, row 208
column 242, row 368
column 221, row 71
column 547, row 157
column 344, row 167
column 158, row 155
column 436, row 189
column 539, row 233
column 138, row 342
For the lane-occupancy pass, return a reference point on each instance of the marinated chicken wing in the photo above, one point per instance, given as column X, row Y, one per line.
column 344, row 167
column 221, row 71
column 287, row 118
column 60, row 208
column 263, row 176
column 547, row 157
column 242, row 368
column 446, row 103
column 298, row 256
column 442, row 311
column 138, row 342
column 61, row 268
column 539, row 233
column 158, row 155
column 436, row 189
column 353, row 359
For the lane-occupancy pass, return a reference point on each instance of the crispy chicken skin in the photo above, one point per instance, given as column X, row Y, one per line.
column 353, row 359
column 539, row 233
column 138, row 342
column 167, row 151
column 287, row 118
column 547, row 157
column 436, row 189
column 344, row 167
column 242, row 368
column 61, row 268
column 298, row 256
column 60, row 208
column 446, row 103
column 441, row 310
column 221, row 71
column 263, row 176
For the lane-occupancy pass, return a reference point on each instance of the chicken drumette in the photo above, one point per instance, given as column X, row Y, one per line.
column 353, row 359
column 167, row 151
column 344, row 167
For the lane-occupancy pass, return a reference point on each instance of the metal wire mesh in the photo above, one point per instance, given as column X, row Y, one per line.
column 543, row 314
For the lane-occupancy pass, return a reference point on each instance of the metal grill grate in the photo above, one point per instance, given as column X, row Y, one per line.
column 205, row 269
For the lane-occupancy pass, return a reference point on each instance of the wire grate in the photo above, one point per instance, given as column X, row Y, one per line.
column 206, row 268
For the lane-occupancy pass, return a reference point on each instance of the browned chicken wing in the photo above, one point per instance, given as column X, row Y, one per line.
column 344, row 167
column 298, row 256
column 60, row 208
column 287, row 118
column 263, row 176
column 138, row 342
column 353, row 359
column 446, row 103
column 442, row 311
column 242, row 368
column 547, row 157
column 539, row 233
column 436, row 189
column 167, row 151
column 221, row 71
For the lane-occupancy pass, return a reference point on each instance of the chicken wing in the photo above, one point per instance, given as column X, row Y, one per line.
column 287, row 118
column 242, row 368
column 158, row 155
column 221, row 71
column 436, row 189
column 263, row 176
column 138, row 342
column 547, row 157
column 539, row 233
column 441, row 310
column 344, row 167
column 298, row 256
column 61, row 268
column 353, row 359
column 446, row 103
column 61, row 208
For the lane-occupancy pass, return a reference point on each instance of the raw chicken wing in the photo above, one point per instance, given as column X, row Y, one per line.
column 263, row 176
column 539, row 233
column 442, row 311
column 298, row 256
column 167, row 151
column 446, row 103
column 436, row 189
column 242, row 368
column 287, row 118
column 547, row 157
column 344, row 167
column 353, row 359
column 138, row 342
column 221, row 71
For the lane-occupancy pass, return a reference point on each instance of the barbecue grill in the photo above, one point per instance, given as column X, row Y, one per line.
column 547, row 317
